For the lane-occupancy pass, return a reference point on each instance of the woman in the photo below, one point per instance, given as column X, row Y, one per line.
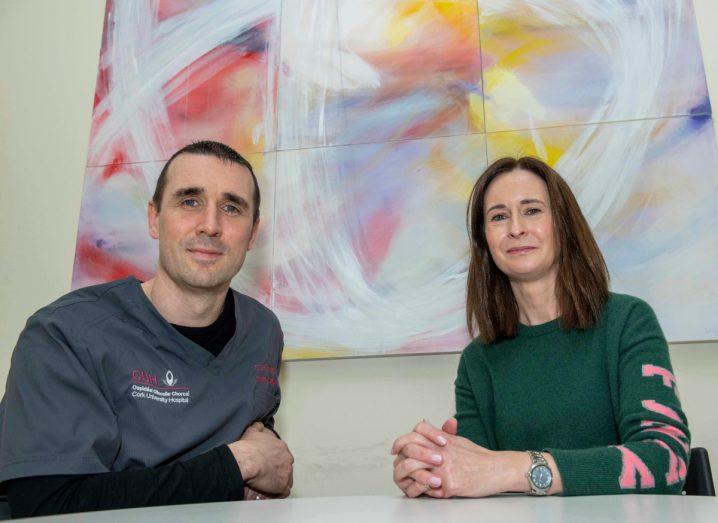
column 577, row 376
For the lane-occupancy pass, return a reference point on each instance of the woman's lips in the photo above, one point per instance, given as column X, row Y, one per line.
column 521, row 250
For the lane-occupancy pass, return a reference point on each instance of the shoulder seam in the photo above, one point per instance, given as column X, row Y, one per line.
column 51, row 309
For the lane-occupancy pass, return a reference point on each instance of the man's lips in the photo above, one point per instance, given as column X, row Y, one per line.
column 208, row 254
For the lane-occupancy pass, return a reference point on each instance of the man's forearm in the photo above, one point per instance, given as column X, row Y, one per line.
column 213, row 476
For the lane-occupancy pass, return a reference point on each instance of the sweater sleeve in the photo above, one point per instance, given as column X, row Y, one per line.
column 471, row 425
column 652, row 456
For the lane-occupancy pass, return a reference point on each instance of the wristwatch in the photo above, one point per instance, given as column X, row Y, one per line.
column 539, row 475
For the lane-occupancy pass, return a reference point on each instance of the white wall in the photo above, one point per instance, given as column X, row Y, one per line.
column 339, row 416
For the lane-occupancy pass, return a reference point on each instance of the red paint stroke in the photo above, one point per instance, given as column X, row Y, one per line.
column 373, row 247
column 98, row 265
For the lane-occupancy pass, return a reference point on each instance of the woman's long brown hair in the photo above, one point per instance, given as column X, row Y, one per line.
column 582, row 280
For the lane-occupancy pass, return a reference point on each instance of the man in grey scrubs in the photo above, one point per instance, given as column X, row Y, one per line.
column 137, row 393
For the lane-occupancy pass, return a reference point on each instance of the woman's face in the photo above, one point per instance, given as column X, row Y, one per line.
column 519, row 226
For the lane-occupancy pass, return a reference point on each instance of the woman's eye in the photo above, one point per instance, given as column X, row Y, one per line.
column 533, row 210
column 497, row 217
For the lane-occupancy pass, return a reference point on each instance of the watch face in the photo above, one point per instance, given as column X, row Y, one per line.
column 541, row 477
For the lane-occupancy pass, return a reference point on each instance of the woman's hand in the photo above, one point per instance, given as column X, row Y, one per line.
column 438, row 463
column 469, row 470
column 416, row 454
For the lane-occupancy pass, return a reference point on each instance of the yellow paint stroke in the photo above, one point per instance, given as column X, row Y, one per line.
column 461, row 16
column 504, row 90
column 517, row 144
column 476, row 112
column 403, row 23
column 410, row 16
column 294, row 353
column 456, row 184
column 494, row 27
column 525, row 53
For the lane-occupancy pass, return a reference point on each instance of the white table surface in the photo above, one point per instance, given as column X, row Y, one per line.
column 365, row 509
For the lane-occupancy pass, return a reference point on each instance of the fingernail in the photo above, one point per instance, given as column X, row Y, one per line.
column 434, row 481
column 436, row 458
column 441, row 440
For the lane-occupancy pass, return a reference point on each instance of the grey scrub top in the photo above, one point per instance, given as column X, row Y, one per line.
column 100, row 381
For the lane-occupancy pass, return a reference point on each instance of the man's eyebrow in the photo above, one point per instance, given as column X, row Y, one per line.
column 187, row 191
column 236, row 199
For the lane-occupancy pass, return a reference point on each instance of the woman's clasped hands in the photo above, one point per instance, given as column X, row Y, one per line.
column 440, row 464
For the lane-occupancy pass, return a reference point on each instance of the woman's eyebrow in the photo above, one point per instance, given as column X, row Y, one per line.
column 497, row 206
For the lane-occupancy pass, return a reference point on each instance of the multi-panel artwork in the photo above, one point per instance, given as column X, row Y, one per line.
column 367, row 123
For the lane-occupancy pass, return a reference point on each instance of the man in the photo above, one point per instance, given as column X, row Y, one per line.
column 132, row 394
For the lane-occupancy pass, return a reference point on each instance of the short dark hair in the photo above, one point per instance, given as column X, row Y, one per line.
column 582, row 281
column 208, row 148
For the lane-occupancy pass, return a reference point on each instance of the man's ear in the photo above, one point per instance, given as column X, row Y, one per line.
column 253, row 238
column 152, row 218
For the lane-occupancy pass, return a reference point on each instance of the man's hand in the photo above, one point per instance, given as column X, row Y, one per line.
column 253, row 495
column 264, row 461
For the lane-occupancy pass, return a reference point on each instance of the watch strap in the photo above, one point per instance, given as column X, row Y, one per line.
column 537, row 459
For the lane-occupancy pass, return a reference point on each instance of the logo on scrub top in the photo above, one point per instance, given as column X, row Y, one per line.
column 147, row 386
column 169, row 379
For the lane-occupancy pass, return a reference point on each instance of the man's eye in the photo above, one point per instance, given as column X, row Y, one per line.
column 190, row 202
column 230, row 209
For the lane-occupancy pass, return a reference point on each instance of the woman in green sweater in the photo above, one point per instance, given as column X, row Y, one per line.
column 568, row 389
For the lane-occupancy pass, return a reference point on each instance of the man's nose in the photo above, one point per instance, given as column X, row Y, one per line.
column 210, row 223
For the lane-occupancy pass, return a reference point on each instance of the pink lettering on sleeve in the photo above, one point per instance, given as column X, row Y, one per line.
column 676, row 466
column 669, row 380
column 633, row 465
column 659, row 408
column 672, row 432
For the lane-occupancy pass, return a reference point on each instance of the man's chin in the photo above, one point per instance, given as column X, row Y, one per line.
column 201, row 277
column 204, row 280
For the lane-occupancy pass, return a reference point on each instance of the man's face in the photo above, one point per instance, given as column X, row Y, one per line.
column 204, row 224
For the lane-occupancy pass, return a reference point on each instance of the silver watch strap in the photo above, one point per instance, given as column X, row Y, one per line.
column 536, row 460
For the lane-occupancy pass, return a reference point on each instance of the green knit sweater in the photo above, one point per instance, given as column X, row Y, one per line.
column 602, row 401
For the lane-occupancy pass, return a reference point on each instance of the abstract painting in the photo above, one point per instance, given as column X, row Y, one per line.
column 368, row 121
